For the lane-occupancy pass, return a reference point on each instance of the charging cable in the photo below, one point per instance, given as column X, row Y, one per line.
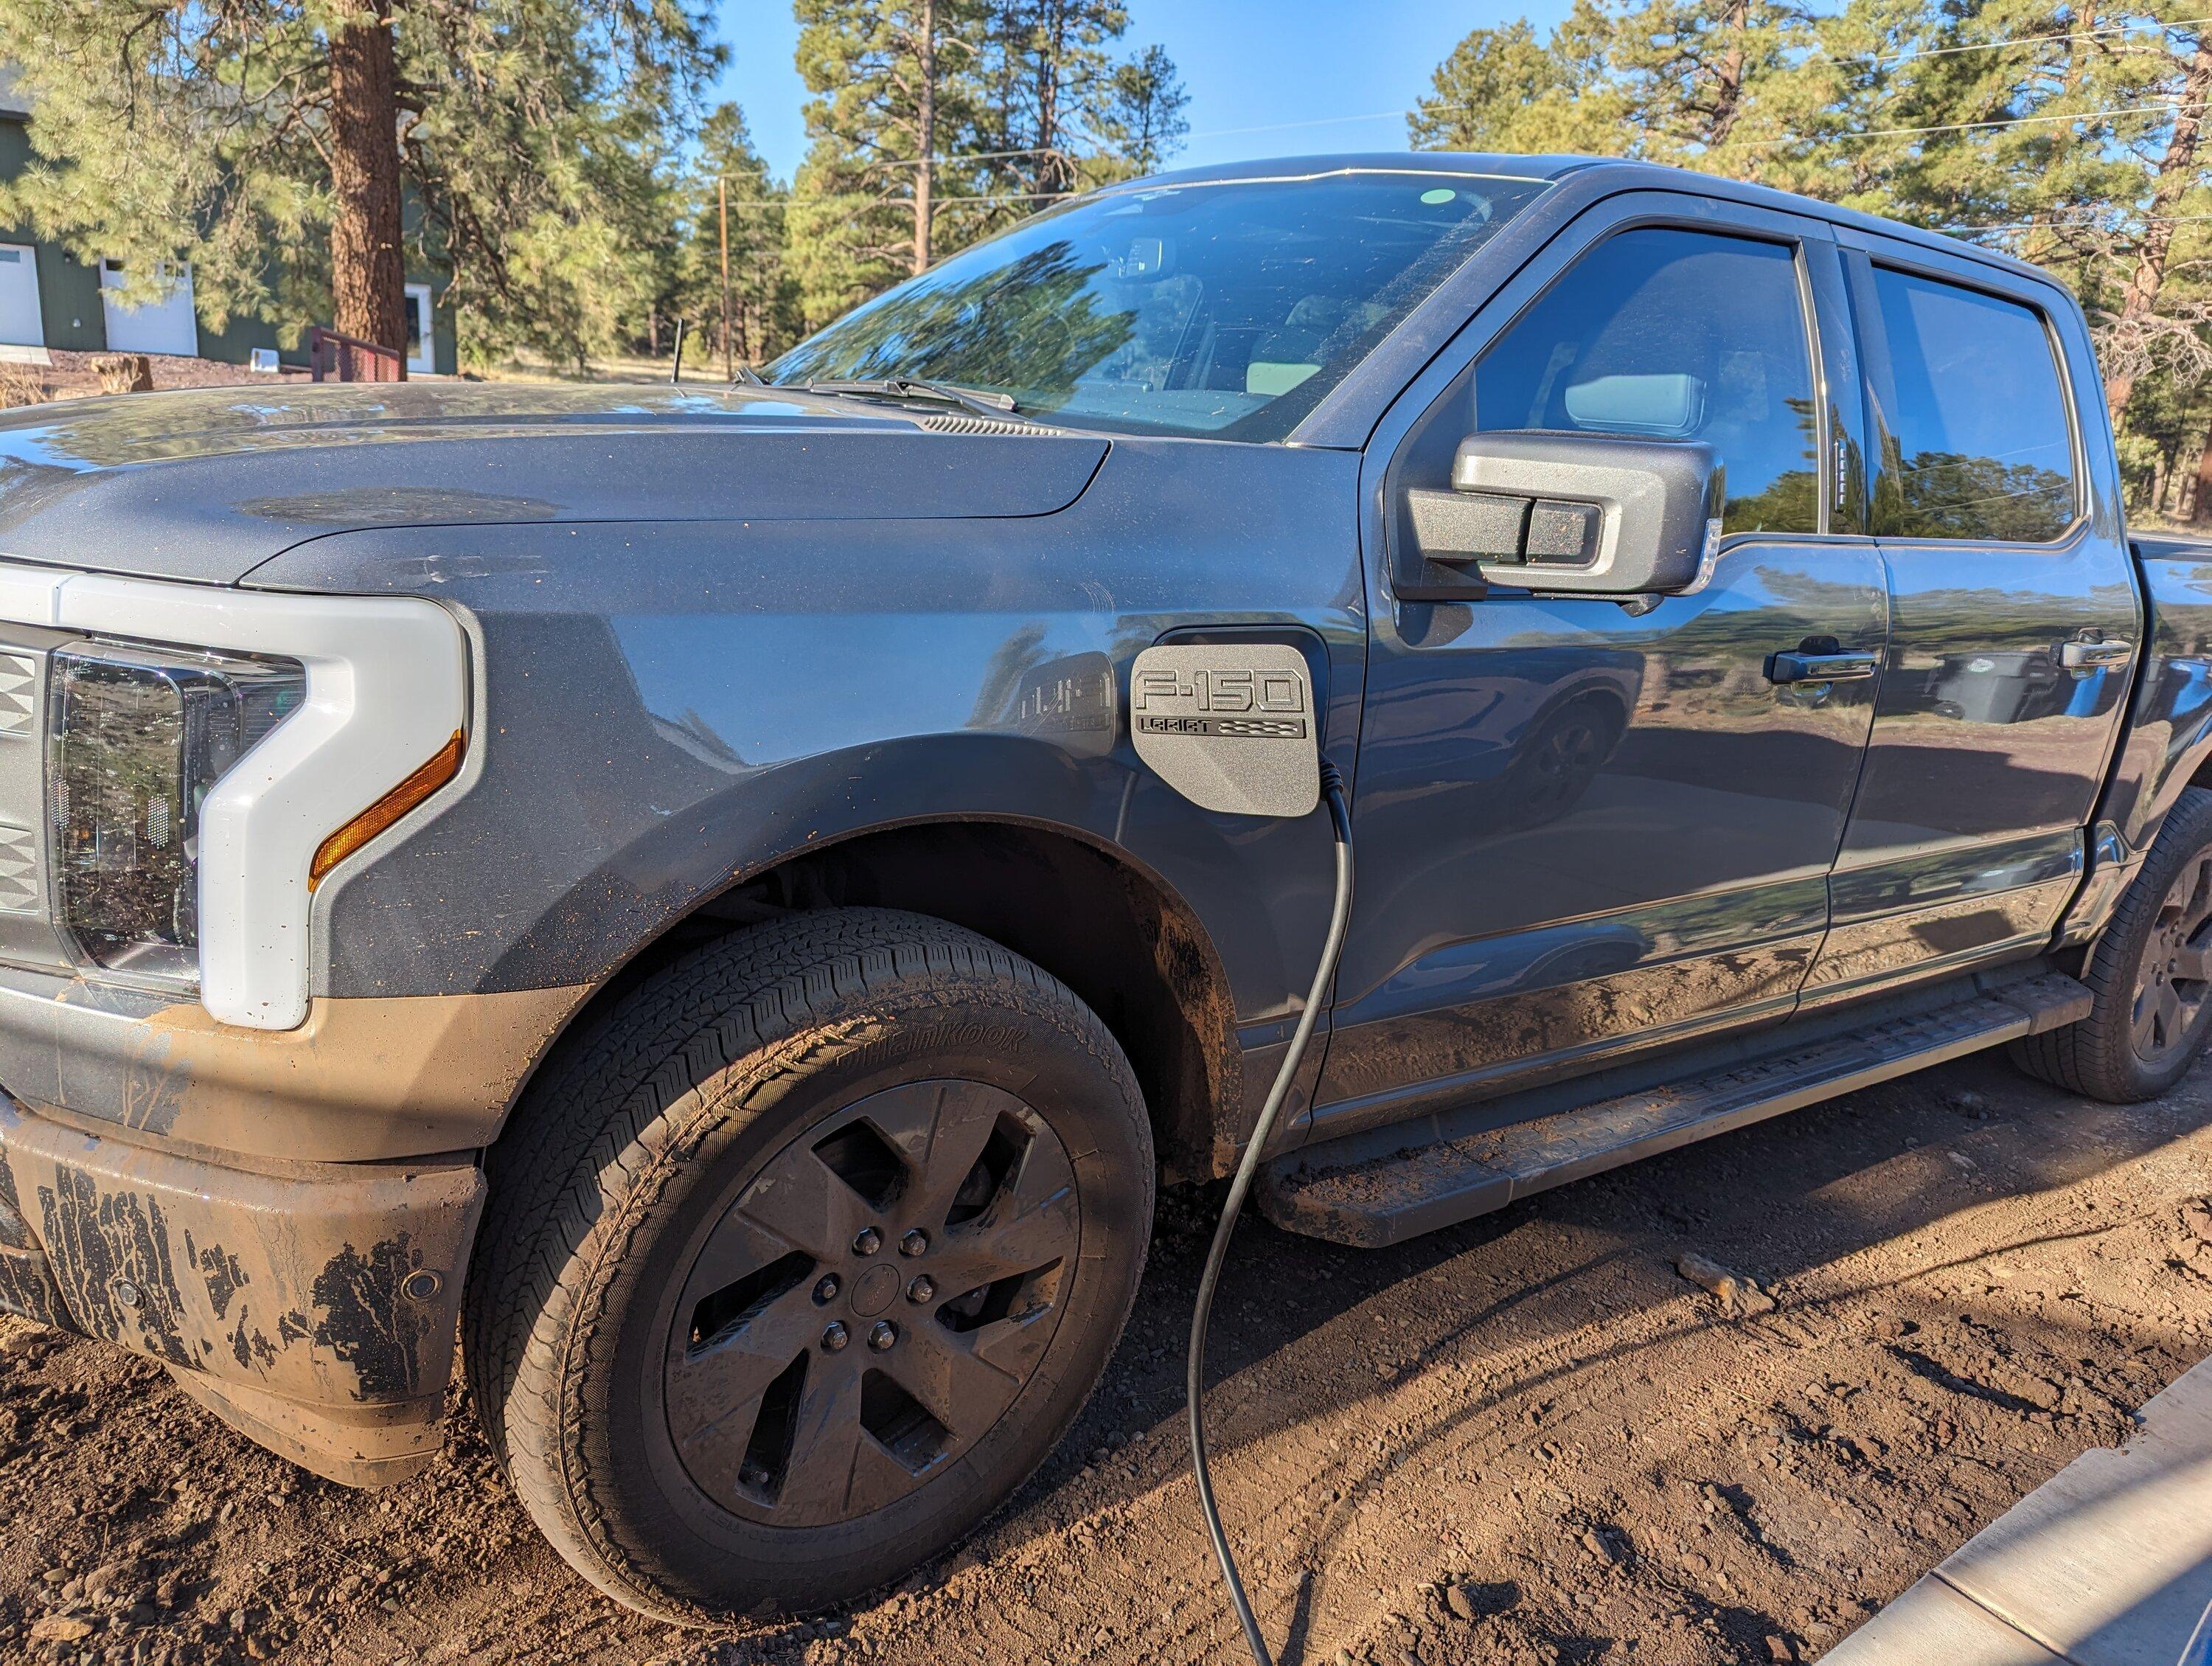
column 1332, row 787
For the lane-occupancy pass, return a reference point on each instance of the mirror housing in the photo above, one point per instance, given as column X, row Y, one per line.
column 1601, row 514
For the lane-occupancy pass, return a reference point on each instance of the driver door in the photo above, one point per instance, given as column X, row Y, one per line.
column 1591, row 823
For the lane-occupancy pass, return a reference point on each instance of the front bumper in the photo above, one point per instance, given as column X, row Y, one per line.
column 315, row 1305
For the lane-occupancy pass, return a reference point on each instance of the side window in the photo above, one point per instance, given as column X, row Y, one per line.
column 1678, row 335
column 1975, row 441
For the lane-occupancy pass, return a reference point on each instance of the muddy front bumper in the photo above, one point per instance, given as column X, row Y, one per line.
column 314, row 1304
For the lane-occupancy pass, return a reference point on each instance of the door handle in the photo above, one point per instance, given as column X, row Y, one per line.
column 2086, row 656
column 1798, row 666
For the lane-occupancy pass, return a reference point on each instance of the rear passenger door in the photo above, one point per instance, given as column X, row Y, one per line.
column 2014, row 614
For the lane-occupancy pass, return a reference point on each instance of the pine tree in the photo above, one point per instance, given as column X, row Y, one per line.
column 2070, row 135
column 1502, row 89
column 936, row 122
column 894, row 87
column 728, row 183
column 293, row 153
column 1140, row 118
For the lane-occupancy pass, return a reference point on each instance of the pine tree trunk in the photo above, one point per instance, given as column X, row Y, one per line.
column 2200, row 512
column 925, row 131
column 1051, row 167
column 1728, row 89
column 368, row 271
column 2177, row 172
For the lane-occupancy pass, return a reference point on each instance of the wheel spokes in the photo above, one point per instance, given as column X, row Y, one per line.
column 940, row 1130
column 949, row 1376
column 1031, row 1226
column 2158, row 1020
column 799, row 1199
column 872, row 1302
column 836, row 1469
column 715, row 1391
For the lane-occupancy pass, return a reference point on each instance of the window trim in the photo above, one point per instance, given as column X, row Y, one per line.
column 1860, row 262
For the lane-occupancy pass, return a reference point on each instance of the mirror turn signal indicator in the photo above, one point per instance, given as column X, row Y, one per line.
column 443, row 766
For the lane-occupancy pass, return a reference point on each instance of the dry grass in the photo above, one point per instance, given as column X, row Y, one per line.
column 23, row 385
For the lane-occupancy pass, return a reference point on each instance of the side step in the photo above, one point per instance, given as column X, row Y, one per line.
column 1373, row 1200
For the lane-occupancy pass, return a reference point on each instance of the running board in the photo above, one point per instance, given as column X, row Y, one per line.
column 1371, row 1200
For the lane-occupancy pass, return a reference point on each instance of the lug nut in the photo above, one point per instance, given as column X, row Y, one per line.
column 914, row 1243
column 867, row 1242
column 921, row 1289
column 826, row 1291
column 884, row 1334
column 834, row 1337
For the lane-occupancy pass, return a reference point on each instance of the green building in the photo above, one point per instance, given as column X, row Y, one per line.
column 49, row 300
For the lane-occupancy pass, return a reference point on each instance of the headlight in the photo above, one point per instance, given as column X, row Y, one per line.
column 139, row 737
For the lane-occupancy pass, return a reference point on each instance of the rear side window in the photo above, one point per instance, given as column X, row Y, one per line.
column 1678, row 335
column 1975, row 439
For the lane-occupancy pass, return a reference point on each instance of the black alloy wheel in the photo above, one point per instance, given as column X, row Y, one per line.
column 867, row 1308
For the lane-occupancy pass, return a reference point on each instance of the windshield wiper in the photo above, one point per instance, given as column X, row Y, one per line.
column 979, row 399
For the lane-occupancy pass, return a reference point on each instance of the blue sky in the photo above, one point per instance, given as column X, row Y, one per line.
column 1246, row 63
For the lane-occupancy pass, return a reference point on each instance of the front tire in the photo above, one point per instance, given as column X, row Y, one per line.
column 803, row 1259
column 2151, row 971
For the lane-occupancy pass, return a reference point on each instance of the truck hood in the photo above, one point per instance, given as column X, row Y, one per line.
column 208, row 484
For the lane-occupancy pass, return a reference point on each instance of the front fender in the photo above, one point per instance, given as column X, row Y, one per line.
column 666, row 709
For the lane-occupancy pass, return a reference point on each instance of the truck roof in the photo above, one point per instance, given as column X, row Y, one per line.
column 1630, row 175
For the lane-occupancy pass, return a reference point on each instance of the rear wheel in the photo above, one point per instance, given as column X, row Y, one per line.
column 804, row 1259
column 2151, row 971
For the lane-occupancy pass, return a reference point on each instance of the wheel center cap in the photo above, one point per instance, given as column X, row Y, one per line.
column 875, row 1290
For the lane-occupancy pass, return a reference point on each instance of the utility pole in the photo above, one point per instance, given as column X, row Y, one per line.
column 925, row 130
column 729, row 343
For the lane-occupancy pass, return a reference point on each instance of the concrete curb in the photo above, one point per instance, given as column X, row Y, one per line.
column 2109, row 1563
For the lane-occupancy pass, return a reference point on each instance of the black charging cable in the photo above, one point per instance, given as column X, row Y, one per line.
column 1332, row 786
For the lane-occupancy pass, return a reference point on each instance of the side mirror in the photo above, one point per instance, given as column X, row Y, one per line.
column 1602, row 514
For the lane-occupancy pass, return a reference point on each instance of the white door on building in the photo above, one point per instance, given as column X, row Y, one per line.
column 422, row 359
column 22, row 324
column 162, row 325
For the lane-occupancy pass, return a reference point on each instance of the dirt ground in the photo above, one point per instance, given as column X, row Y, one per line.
column 1529, row 1439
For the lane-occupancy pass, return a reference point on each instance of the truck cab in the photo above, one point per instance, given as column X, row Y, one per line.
column 663, row 883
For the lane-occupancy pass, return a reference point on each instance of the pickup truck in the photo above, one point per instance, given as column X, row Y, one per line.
column 654, row 892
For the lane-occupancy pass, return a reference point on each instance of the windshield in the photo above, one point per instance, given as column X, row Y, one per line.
column 1224, row 309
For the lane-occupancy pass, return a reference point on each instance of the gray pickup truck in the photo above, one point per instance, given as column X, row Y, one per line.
column 681, row 899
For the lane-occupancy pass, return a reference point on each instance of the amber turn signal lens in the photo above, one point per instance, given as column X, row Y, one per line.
column 441, row 769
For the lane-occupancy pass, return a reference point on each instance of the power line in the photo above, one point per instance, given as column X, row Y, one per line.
column 2014, row 40
column 1426, row 109
column 2065, row 225
column 2170, row 108
column 994, row 197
